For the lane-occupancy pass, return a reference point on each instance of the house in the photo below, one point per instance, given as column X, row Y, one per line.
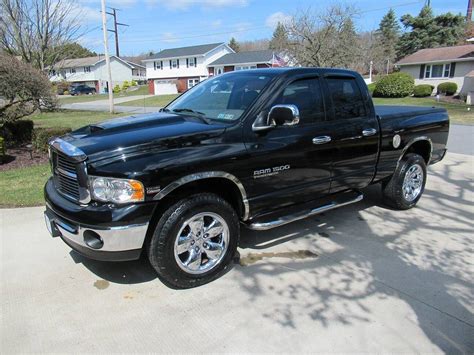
column 437, row 65
column 92, row 71
column 244, row 60
column 178, row 69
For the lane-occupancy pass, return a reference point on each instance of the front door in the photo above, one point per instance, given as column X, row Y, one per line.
column 285, row 166
column 355, row 133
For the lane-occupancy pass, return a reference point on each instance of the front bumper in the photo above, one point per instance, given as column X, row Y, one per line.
column 110, row 233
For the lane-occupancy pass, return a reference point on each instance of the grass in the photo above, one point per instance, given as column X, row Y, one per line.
column 70, row 118
column 154, row 101
column 458, row 113
column 142, row 90
column 24, row 186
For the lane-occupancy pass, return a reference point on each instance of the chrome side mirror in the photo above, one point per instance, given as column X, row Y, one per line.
column 279, row 115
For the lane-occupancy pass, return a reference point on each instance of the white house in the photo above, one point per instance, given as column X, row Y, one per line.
column 437, row 65
column 92, row 71
column 178, row 69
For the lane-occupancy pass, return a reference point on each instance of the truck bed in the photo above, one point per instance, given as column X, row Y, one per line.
column 389, row 111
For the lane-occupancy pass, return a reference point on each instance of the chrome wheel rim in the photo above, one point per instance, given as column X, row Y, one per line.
column 413, row 183
column 201, row 243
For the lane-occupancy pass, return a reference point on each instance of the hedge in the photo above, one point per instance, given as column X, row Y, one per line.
column 371, row 88
column 448, row 88
column 423, row 90
column 17, row 132
column 395, row 85
column 41, row 136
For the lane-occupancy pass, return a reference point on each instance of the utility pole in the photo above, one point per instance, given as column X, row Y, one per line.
column 116, row 24
column 469, row 10
column 107, row 58
column 370, row 72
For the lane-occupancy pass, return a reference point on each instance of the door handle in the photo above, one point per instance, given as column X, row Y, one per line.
column 369, row 132
column 321, row 140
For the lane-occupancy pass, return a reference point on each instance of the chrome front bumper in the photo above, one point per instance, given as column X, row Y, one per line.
column 112, row 244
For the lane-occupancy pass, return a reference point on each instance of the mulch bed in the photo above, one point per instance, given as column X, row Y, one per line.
column 22, row 157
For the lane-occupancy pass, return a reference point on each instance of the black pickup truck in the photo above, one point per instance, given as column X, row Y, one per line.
column 258, row 148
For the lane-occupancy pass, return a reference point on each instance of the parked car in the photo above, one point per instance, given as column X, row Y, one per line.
column 81, row 90
column 257, row 148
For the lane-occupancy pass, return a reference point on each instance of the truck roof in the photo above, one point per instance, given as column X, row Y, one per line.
column 295, row 70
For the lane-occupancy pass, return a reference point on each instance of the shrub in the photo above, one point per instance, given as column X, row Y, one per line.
column 133, row 83
column 395, row 85
column 17, row 132
column 423, row 90
column 448, row 88
column 2, row 150
column 116, row 89
column 41, row 136
column 23, row 88
column 125, row 85
column 371, row 88
column 66, row 92
column 62, row 87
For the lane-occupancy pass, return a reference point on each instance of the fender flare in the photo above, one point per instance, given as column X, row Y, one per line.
column 411, row 142
column 207, row 175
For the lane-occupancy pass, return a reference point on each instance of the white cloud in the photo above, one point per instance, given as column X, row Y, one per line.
column 216, row 23
column 169, row 37
column 273, row 19
column 186, row 4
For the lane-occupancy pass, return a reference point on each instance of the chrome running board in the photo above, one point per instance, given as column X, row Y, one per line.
column 304, row 214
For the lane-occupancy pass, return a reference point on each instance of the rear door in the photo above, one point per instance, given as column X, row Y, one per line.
column 355, row 134
column 285, row 167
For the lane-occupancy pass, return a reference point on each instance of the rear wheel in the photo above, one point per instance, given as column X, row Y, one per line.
column 194, row 241
column 407, row 184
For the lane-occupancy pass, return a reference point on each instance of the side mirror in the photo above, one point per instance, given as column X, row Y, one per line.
column 279, row 115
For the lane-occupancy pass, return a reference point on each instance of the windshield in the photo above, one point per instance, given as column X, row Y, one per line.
column 224, row 97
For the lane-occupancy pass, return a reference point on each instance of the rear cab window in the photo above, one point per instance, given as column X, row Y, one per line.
column 347, row 99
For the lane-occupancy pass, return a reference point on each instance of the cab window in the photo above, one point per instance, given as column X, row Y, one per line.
column 346, row 98
column 306, row 95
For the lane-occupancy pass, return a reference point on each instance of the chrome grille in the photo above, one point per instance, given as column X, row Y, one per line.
column 66, row 173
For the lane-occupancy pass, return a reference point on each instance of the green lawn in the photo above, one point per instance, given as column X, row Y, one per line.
column 458, row 113
column 70, row 118
column 142, row 90
column 24, row 186
column 154, row 101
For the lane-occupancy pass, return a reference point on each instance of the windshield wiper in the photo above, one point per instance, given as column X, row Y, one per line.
column 198, row 114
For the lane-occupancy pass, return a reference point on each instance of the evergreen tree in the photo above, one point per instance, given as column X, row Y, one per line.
column 387, row 36
column 429, row 31
column 279, row 41
column 234, row 45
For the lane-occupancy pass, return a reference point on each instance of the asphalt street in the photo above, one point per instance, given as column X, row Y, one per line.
column 362, row 278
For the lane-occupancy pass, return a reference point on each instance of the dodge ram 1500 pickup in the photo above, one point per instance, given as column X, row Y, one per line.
column 258, row 148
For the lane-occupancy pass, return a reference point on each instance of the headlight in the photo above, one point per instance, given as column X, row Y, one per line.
column 116, row 190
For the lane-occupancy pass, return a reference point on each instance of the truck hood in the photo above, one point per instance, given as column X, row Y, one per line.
column 128, row 135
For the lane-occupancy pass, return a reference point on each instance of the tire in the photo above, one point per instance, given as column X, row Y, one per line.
column 178, row 235
column 407, row 184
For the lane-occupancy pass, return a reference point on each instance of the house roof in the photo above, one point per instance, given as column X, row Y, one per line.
column 89, row 61
column 455, row 53
column 185, row 51
column 264, row 56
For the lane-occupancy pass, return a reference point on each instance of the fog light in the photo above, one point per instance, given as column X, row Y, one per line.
column 93, row 239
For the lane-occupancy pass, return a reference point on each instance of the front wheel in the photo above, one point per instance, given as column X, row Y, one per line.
column 194, row 241
column 407, row 184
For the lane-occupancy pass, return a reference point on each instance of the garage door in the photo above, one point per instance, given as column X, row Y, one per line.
column 165, row 87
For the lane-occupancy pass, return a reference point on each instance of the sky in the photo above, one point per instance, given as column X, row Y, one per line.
column 159, row 24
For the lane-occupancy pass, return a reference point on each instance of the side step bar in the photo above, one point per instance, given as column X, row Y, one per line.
column 280, row 221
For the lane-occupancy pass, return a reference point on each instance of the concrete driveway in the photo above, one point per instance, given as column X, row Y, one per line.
column 359, row 279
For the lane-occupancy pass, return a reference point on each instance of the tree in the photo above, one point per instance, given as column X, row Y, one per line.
column 324, row 39
column 234, row 45
column 279, row 41
column 24, row 89
column 73, row 50
column 429, row 31
column 387, row 36
column 37, row 30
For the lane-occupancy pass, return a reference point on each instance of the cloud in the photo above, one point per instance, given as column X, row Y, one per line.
column 117, row 3
column 169, row 37
column 187, row 4
column 273, row 19
column 216, row 23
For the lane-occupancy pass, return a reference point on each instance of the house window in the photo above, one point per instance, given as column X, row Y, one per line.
column 174, row 63
column 192, row 82
column 437, row 71
column 158, row 65
column 72, row 71
column 87, row 69
column 245, row 67
column 191, row 62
